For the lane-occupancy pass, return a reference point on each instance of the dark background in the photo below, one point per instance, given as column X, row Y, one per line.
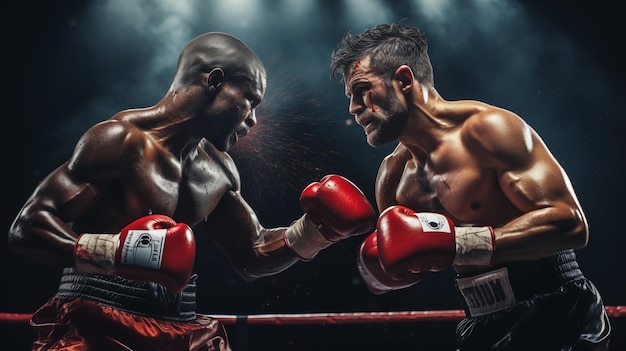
column 558, row 64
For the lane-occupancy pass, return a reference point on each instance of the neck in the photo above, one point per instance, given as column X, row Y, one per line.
column 425, row 124
column 168, row 121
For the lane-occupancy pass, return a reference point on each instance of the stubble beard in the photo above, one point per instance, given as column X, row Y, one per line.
column 389, row 128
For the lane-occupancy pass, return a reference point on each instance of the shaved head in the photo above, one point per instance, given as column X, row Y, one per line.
column 217, row 50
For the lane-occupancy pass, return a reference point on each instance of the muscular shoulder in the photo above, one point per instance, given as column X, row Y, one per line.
column 499, row 137
column 107, row 147
column 399, row 155
column 389, row 174
column 224, row 161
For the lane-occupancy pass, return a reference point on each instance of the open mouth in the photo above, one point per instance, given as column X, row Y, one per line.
column 241, row 132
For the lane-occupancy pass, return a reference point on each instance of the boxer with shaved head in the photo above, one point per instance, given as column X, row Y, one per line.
column 121, row 215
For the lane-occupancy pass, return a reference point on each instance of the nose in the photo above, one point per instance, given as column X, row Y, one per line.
column 356, row 106
column 251, row 119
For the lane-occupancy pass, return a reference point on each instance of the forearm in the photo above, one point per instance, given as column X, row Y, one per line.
column 271, row 255
column 335, row 209
column 540, row 233
column 267, row 256
column 43, row 237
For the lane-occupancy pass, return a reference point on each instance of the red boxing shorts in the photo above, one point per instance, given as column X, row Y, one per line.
column 78, row 324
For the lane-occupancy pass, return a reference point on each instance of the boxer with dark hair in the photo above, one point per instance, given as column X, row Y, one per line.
column 470, row 186
column 120, row 214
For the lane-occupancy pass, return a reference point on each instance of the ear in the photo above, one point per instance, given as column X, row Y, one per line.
column 214, row 80
column 404, row 76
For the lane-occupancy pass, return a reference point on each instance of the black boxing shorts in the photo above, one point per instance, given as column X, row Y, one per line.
column 544, row 304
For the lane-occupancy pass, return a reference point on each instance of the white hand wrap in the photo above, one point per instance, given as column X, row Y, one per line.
column 305, row 239
column 95, row 253
column 475, row 246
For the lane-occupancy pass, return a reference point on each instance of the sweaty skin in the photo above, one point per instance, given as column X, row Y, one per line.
column 168, row 159
column 514, row 217
column 478, row 164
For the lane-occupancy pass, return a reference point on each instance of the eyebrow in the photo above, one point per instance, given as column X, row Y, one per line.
column 351, row 86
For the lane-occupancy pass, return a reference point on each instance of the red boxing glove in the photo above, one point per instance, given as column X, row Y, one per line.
column 335, row 209
column 153, row 248
column 376, row 279
column 429, row 242
column 338, row 207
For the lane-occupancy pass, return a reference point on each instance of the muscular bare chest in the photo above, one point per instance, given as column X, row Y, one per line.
column 186, row 189
column 453, row 183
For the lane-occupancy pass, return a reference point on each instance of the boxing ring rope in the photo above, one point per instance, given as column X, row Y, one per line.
column 331, row 318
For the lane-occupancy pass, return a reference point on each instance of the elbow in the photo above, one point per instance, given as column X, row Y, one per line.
column 245, row 274
column 254, row 268
column 244, row 269
column 16, row 239
column 13, row 241
column 581, row 237
column 579, row 231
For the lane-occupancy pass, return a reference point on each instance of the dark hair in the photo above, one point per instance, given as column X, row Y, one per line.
column 389, row 46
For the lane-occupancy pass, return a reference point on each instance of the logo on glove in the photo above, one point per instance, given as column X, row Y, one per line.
column 144, row 248
column 433, row 222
